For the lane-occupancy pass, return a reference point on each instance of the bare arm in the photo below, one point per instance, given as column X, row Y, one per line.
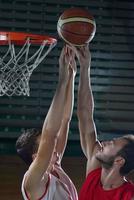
column 69, row 102
column 88, row 136
column 50, row 131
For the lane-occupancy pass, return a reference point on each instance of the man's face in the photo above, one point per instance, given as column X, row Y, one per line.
column 107, row 154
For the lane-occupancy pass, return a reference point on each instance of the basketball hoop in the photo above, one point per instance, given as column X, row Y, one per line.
column 17, row 65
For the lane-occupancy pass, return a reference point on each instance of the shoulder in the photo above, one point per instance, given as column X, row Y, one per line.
column 130, row 187
column 129, row 190
column 93, row 176
column 41, row 190
column 95, row 172
column 23, row 190
column 91, row 182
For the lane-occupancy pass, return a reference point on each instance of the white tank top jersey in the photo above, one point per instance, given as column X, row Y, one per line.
column 57, row 188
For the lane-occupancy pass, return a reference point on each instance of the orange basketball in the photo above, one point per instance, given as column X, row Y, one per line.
column 76, row 26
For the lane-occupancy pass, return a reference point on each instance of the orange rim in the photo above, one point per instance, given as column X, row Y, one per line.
column 20, row 38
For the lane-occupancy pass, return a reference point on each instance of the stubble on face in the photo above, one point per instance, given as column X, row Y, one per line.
column 109, row 151
column 106, row 163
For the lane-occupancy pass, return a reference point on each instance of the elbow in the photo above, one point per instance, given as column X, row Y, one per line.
column 83, row 113
column 80, row 110
column 66, row 120
column 50, row 134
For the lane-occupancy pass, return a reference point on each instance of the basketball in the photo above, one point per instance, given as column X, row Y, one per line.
column 76, row 26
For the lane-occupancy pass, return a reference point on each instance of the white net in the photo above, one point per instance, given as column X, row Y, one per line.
column 16, row 67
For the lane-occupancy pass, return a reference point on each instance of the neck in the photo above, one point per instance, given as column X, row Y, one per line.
column 111, row 179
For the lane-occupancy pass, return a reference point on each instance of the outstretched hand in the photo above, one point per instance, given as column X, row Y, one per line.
column 72, row 64
column 83, row 54
column 66, row 60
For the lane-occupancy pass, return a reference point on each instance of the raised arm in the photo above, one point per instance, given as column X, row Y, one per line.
column 50, row 131
column 68, row 109
column 88, row 136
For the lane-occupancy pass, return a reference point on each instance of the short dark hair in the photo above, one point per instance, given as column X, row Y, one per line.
column 26, row 144
column 127, row 152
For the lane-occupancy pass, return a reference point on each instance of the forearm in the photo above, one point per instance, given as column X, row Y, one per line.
column 64, row 129
column 69, row 101
column 54, row 117
column 85, row 112
column 85, row 97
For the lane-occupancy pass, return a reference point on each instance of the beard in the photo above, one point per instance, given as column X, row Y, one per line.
column 106, row 163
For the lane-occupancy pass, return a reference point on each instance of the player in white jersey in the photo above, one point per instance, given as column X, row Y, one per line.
column 59, row 186
column 43, row 150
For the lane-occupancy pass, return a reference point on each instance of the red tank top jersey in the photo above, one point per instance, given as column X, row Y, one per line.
column 92, row 189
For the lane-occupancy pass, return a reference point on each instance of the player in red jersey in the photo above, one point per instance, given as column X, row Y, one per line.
column 108, row 162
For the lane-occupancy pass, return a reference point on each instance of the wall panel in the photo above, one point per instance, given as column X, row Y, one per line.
column 112, row 69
